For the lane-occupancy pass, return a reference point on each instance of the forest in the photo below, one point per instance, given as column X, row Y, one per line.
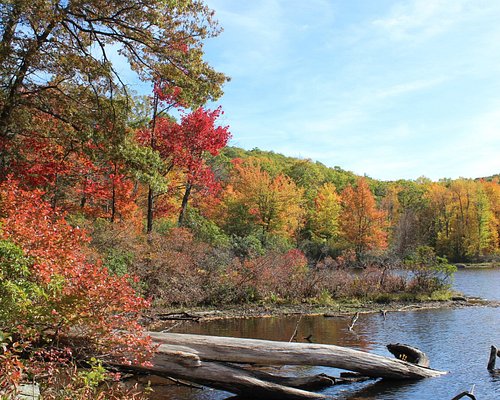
column 111, row 202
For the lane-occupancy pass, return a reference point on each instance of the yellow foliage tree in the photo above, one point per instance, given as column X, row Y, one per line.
column 324, row 221
column 274, row 204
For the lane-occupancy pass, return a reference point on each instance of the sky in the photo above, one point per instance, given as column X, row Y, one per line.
column 390, row 89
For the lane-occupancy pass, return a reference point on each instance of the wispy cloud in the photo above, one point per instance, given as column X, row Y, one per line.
column 422, row 19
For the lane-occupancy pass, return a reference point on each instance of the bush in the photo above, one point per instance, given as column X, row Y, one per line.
column 205, row 230
column 49, row 289
column 247, row 246
column 273, row 276
column 430, row 272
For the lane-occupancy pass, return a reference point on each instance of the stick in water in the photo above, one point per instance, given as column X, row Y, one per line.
column 353, row 320
column 296, row 330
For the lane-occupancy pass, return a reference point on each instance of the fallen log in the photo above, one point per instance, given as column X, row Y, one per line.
column 314, row 382
column 228, row 378
column 266, row 352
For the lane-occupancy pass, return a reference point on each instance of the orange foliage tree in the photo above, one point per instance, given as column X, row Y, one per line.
column 362, row 224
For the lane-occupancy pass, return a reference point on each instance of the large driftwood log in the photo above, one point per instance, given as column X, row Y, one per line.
column 252, row 351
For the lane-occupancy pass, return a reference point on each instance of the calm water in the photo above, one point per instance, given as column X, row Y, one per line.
column 455, row 340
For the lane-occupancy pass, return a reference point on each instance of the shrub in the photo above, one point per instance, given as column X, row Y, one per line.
column 430, row 272
column 205, row 230
column 52, row 294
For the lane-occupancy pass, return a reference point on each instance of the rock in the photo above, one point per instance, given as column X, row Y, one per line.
column 28, row 392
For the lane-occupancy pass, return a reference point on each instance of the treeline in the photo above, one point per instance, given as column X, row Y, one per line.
column 324, row 211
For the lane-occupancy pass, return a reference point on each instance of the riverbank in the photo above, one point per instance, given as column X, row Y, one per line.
column 485, row 265
column 161, row 318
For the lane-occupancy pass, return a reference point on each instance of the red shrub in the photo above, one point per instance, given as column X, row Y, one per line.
column 80, row 298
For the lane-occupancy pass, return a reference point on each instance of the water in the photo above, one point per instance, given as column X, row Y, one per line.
column 456, row 340
column 482, row 282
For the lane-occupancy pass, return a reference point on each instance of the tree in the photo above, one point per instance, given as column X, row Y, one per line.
column 197, row 136
column 408, row 214
column 55, row 58
column 362, row 224
column 324, row 219
column 273, row 204
column 184, row 147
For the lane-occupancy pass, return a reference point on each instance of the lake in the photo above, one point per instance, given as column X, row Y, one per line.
column 456, row 340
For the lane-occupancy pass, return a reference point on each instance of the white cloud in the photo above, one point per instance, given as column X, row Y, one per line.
column 422, row 19
column 407, row 87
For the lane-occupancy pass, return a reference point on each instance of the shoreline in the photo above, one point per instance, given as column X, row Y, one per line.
column 159, row 317
column 492, row 265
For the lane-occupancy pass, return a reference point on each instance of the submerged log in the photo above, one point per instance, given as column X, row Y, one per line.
column 266, row 352
column 470, row 395
column 494, row 352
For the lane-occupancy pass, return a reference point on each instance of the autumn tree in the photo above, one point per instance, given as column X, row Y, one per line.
column 362, row 224
column 271, row 203
column 184, row 147
column 197, row 136
column 408, row 216
column 465, row 221
column 324, row 220
column 56, row 59
column 492, row 191
column 487, row 223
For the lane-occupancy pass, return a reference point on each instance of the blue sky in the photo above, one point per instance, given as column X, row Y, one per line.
column 393, row 89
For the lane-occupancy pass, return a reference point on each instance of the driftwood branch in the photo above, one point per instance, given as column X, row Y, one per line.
column 295, row 331
column 464, row 394
column 353, row 320
column 469, row 394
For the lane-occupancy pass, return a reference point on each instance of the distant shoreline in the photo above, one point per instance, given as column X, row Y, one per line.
column 485, row 265
column 158, row 320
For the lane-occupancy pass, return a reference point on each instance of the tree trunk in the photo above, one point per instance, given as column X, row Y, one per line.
column 149, row 227
column 252, row 351
column 185, row 200
column 494, row 352
column 113, row 196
